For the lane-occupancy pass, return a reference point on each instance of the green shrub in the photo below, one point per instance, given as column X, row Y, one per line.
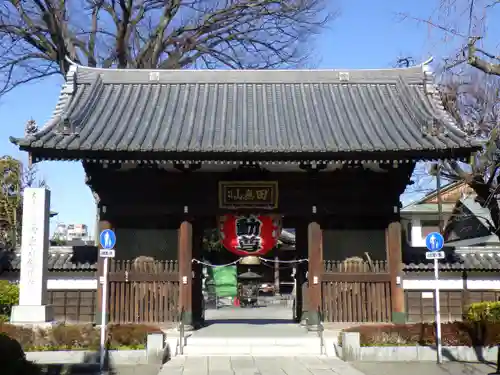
column 132, row 336
column 78, row 337
column 453, row 334
column 71, row 337
column 484, row 312
column 9, row 296
column 26, row 337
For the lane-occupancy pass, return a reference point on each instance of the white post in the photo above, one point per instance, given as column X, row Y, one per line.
column 276, row 276
column 436, row 269
column 34, row 256
column 103, row 313
column 438, row 313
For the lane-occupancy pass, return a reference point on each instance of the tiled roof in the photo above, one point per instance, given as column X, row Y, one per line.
column 476, row 261
column 81, row 258
column 267, row 111
column 427, row 208
column 470, row 225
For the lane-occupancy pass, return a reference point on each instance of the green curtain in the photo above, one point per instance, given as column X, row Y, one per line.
column 226, row 281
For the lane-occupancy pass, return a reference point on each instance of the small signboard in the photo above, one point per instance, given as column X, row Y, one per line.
column 107, row 253
column 107, row 238
column 248, row 194
column 434, row 255
column 434, row 241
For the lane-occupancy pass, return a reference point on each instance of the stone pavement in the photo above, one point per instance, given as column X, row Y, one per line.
column 427, row 368
column 257, row 366
column 92, row 369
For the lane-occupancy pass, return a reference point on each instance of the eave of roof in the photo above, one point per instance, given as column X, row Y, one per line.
column 207, row 115
column 427, row 208
column 474, row 261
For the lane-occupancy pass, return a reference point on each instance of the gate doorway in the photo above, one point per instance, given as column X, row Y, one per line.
column 246, row 290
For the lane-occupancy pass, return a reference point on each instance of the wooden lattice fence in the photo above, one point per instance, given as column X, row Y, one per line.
column 356, row 291
column 143, row 291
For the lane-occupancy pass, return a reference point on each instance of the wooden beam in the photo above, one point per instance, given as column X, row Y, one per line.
column 138, row 276
column 315, row 255
column 301, row 301
column 185, row 256
column 197, row 282
column 394, row 257
column 132, row 209
column 355, row 277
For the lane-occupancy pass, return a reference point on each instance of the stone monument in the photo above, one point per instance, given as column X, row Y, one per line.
column 33, row 308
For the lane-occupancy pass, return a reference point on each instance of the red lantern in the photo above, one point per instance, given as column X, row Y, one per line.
column 249, row 234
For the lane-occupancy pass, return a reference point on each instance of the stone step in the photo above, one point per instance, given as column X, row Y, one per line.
column 240, row 350
column 307, row 345
column 252, row 341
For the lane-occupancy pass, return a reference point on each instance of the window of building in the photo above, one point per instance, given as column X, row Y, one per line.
column 429, row 226
column 408, row 233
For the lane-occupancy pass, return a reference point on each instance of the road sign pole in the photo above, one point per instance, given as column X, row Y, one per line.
column 438, row 313
column 435, row 242
column 107, row 239
column 104, row 309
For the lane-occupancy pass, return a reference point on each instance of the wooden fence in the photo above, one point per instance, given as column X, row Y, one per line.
column 454, row 303
column 355, row 291
column 73, row 306
column 143, row 292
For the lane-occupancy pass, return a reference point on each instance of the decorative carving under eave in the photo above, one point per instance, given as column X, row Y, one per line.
column 97, row 199
column 375, row 167
column 188, row 167
column 30, row 128
column 312, row 167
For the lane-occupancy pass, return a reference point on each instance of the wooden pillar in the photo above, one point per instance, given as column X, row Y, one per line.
column 197, row 292
column 103, row 225
column 394, row 258
column 185, row 256
column 315, row 271
column 300, row 274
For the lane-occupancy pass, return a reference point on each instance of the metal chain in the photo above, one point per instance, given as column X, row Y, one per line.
column 262, row 259
column 284, row 267
column 215, row 265
column 284, row 261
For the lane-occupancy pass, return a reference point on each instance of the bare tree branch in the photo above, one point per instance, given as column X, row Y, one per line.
column 37, row 35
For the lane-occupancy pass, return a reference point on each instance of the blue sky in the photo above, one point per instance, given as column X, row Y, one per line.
column 367, row 34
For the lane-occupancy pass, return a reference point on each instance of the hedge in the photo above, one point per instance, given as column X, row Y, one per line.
column 453, row 334
column 78, row 337
column 484, row 312
column 9, row 296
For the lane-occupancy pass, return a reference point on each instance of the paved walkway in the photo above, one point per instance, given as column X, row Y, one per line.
column 427, row 368
column 257, row 366
column 265, row 321
column 86, row 369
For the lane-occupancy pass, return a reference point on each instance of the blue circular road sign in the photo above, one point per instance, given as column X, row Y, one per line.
column 107, row 238
column 434, row 241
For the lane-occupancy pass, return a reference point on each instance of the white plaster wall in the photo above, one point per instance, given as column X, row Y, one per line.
column 417, row 238
column 428, row 283
column 65, row 283
column 452, row 283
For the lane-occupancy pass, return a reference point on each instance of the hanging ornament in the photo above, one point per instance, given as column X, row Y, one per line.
column 250, row 260
column 249, row 234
